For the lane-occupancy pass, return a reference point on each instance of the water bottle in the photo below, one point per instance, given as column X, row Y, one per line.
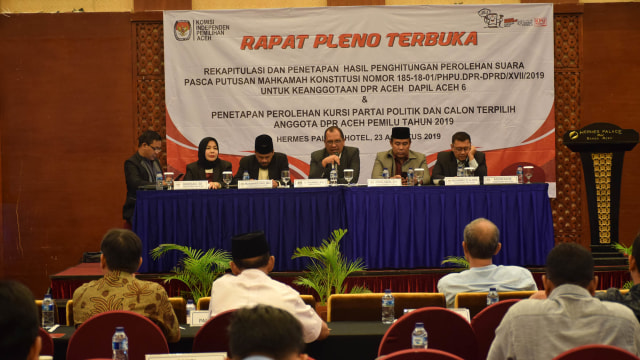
column 159, row 181
column 492, row 296
column 385, row 173
column 419, row 337
column 388, row 306
column 190, row 307
column 120, row 344
column 410, row 177
column 519, row 174
column 333, row 175
column 47, row 312
column 245, row 175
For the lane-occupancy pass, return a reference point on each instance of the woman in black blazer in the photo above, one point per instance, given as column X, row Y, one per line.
column 209, row 166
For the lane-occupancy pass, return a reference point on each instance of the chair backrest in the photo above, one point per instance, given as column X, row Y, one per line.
column 179, row 305
column 596, row 352
column 69, row 312
column 92, row 339
column 47, row 342
column 447, row 331
column 367, row 307
column 484, row 324
column 212, row 336
column 203, row 303
column 56, row 317
column 309, row 300
column 477, row 301
column 421, row 354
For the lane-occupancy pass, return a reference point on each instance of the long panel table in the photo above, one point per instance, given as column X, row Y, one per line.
column 388, row 227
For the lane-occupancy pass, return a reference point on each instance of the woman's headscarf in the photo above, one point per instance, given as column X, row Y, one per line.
column 202, row 148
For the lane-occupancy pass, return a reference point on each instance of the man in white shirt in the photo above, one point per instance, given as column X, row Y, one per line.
column 535, row 329
column 250, row 285
column 481, row 243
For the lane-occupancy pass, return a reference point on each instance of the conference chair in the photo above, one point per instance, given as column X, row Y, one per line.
column 203, row 302
column 69, row 312
column 448, row 331
column 212, row 336
column 420, row 354
column 47, row 342
column 477, row 301
column 92, row 339
column 366, row 307
column 56, row 317
column 179, row 308
column 484, row 324
column 596, row 352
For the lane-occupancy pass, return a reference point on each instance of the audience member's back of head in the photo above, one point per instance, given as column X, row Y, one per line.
column 570, row 263
column 250, row 250
column 267, row 331
column 635, row 251
column 122, row 250
column 482, row 238
column 18, row 321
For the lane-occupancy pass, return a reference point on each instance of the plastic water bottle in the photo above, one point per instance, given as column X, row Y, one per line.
column 190, row 307
column 410, row 177
column 159, row 181
column 388, row 306
column 519, row 174
column 120, row 344
column 385, row 173
column 245, row 175
column 333, row 175
column 47, row 312
column 492, row 296
column 419, row 337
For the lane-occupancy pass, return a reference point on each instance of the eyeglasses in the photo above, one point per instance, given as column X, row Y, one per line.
column 156, row 149
column 334, row 142
column 462, row 149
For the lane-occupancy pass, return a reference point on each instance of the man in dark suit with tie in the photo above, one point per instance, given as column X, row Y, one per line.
column 141, row 169
column 462, row 155
column 265, row 164
column 345, row 157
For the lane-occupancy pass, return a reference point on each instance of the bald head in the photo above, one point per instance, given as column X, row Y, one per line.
column 482, row 238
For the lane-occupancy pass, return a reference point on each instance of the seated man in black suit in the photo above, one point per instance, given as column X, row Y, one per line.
column 265, row 164
column 345, row 157
column 141, row 169
column 462, row 155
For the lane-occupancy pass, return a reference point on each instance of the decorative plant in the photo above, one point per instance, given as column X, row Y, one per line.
column 328, row 268
column 197, row 269
column 623, row 249
column 457, row 261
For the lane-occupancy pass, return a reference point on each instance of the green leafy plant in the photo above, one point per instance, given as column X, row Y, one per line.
column 196, row 269
column 328, row 268
column 627, row 285
column 458, row 261
column 623, row 249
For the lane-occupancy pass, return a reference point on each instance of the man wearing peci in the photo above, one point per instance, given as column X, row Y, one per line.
column 265, row 164
column 462, row 155
column 335, row 151
column 400, row 158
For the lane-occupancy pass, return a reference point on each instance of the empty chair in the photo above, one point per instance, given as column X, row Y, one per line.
column 367, row 307
column 484, row 324
column 447, row 331
column 309, row 300
column 70, row 313
column 92, row 339
column 203, row 303
column 212, row 336
column 477, row 301
column 596, row 352
column 47, row 342
column 180, row 308
column 421, row 354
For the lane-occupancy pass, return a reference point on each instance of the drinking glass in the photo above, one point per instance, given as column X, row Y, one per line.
column 348, row 175
column 527, row 171
column 168, row 178
column 226, row 177
column 468, row 171
column 284, row 175
column 419, row 174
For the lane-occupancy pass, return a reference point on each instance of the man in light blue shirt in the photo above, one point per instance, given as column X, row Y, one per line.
column 535, row 329
column 481, row 243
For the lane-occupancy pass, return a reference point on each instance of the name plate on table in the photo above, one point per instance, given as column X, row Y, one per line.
column 384, row 182
column 500, row 180
column 462, row 180
column 255, row 184
column 310, row 183
column 199, row 317
column 191, row 185
column 192, row 356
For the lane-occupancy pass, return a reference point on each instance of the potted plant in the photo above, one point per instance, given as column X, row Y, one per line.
column 328, row 268
column 197, row 269
column 457, row 261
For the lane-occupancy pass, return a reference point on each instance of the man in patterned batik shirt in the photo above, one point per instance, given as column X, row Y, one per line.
column 120, row 290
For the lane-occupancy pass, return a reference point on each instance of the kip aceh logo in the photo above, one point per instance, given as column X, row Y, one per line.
column 182, row 30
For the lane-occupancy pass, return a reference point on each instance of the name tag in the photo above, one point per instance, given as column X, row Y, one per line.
column 199, row 317
column 462, row 180
column 191, row 185
column 500, row 180
column 310, row 183
column 384, row 182
column 255, row 184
